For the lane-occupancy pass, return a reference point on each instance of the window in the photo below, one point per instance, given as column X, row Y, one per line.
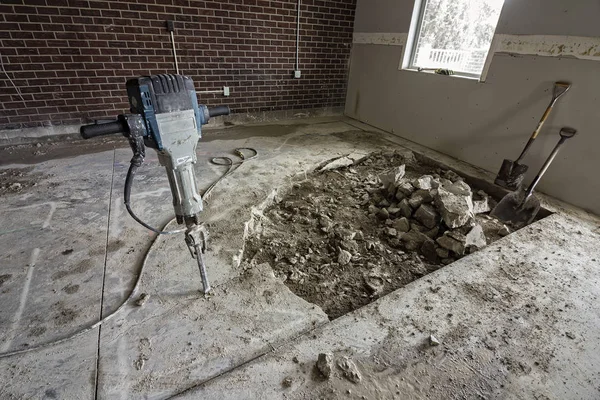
column 453, row 34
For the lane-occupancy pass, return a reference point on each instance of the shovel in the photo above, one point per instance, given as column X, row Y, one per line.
column 512, row 173
column 519, row 208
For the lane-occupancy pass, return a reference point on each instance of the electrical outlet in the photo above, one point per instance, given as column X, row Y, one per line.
column 225, row 91
column 297, row 74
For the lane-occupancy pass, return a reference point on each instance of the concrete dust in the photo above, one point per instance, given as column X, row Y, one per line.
column 344, row 237
column 58, row 147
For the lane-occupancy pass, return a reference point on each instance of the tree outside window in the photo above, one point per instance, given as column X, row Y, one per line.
column 455, row 34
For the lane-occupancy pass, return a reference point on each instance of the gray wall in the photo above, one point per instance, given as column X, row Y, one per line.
column 483, row 123
column 550, row 17
column 383, row 15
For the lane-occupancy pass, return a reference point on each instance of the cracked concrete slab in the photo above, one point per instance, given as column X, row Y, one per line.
column 254, row 338
column 515, row 320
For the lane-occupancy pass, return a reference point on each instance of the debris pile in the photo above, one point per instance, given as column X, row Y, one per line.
column 342, row 237
column 436, row 215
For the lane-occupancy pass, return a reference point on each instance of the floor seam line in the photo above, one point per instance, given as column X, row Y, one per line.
column 272, row 348
column 112, row 179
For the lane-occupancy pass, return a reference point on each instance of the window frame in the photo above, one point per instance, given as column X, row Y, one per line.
column 408, row 62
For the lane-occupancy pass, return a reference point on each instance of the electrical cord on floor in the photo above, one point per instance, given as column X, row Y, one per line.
column 225, row 161
column 136, row 162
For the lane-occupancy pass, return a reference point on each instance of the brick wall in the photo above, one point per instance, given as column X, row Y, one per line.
column 70, row 59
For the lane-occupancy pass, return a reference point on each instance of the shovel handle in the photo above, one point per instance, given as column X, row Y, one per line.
column 560, row 88
column 565, row 134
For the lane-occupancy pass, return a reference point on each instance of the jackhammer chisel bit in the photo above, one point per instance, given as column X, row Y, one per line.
column 165, row 116
column 196, row 238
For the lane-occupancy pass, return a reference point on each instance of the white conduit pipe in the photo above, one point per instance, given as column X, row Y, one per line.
column 298, row 38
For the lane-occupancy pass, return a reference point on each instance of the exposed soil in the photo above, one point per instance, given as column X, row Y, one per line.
column 332, row 237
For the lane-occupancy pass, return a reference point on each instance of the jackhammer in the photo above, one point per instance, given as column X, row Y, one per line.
column 165, row 116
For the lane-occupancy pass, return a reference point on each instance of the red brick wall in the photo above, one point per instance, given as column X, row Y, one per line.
column 70, row 58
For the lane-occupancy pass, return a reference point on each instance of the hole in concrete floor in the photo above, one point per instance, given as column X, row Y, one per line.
column 345, row 236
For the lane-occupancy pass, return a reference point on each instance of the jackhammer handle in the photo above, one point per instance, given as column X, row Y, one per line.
column 219, row 110
column 90, row 131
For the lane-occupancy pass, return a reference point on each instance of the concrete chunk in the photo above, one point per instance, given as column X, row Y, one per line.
column 383, row 214
column 442, row 253
column 481, row 203
column 453, row 241
column 476, row 237
column 419, row 197
column 503, row 231
column 393, row 176
column 393, row 210
column 428, row 250
column 325, row 364
column 344, row 257
column 427, row 215
column 481, row 206
column 425, row 182
column 454, row 204
column 401, row 225
column 391, row 232
column 414, row 239
column 405, row 209
column 451, row 175
column 405, row 189
column 337, row 163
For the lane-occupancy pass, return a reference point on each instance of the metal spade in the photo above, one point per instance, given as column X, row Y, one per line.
column 520, row 207
column 512, row 173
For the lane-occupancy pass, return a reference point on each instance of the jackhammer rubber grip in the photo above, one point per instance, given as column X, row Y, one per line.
column 219, row 110
column 90, row 131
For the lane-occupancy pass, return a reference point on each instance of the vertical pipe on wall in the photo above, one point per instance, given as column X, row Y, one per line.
column 298, row 37
column 171, row 29
column 174, row 53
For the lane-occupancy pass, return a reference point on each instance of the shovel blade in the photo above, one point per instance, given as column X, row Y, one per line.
column 511, row 174
column 513, row 211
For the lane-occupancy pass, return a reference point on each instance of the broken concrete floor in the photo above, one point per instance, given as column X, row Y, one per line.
column 518, row 319
column 355, row 230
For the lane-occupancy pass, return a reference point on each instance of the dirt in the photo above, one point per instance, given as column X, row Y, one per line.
column 82, row 267
column 65, row 315
column 71, row 289
column 327, row 240
column 15, row 180
column 4, row 278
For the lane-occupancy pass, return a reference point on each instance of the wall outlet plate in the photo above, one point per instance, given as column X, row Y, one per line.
column 297, row 74
column 225, row 91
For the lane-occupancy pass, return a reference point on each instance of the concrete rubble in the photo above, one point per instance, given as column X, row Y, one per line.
column 455, row 204
column 325, row 364
column 476, row 237
column 389, row 211
column 438, row 215
column 427, row 215
column 481, row 202
column 393, row 177
column 349, row 369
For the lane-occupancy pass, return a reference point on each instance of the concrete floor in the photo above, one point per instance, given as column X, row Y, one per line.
column 517, row 320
